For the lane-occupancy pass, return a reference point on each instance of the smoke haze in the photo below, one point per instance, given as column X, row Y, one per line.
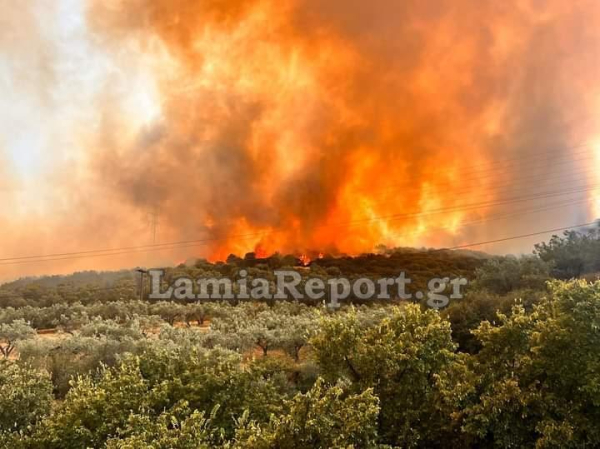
column 292, row 125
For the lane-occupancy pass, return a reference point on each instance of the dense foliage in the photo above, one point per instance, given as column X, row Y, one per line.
column 514, row 364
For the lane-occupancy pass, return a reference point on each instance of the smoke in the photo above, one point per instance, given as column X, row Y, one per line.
column 303, row 125
column 297, row 117
column 51, row 92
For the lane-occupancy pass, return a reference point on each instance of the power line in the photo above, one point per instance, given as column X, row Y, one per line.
column 496, row 172
column 195, row 243
column 175, row 245
column 459, row 208
column 549, row 207
column 528, row 178
column 517, row 237
column 467, row 207
column 501, row 240
column 190, row 243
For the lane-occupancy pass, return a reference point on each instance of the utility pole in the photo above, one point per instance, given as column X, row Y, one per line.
column 142, row 273
column 154, row 223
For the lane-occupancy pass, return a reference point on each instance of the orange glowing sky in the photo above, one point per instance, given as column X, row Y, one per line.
column 295, row 126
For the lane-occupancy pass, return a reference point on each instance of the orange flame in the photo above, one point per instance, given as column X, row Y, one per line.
column 261, row 253
column 290, row 126
column 338, row 126
column 305, row 260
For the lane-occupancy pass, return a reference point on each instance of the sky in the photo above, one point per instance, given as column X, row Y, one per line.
column 52, row 72
column 53, row 76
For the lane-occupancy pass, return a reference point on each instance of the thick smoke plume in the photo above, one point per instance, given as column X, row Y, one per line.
column 299, row 116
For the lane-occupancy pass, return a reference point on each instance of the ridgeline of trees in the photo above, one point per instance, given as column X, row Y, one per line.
column 514, row 364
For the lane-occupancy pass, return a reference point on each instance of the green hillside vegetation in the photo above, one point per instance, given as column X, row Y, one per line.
column 516, row 363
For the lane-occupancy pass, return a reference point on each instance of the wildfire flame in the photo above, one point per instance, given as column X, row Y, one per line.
column 297, row 126
column 261, row 253
column 317, row 123
column 305, row 260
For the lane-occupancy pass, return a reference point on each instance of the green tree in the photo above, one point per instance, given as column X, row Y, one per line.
column 197, row 312
column 297, row 331
column 325, row 417
column 572, row 255
column 178, row 428
column 405, row 359
column 537, row 374
column 93, row 411
column 501, row 275
column 168, row 311
column 25, row 396
column 12, row 334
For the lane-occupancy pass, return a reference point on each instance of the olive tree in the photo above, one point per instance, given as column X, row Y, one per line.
column 12, row 334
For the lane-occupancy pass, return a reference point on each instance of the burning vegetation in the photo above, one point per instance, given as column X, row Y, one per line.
column 299, row 125
column 302, row 126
